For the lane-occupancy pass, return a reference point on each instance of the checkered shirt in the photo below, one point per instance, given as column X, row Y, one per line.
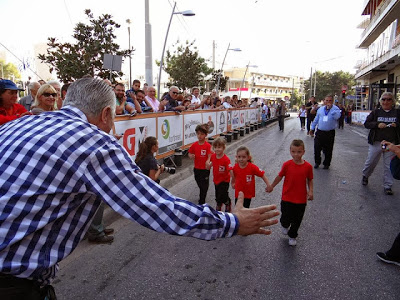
column 55, row 169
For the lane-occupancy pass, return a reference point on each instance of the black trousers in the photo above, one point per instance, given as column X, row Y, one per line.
column 281, row 122
column 14, row 288
column 292, row 215
column 309, row 121
column 202, row 179
column 341, row 122
column 324, row 141
column 302, row 122
column 222, row 194
column 246, row 202
column 394, row 252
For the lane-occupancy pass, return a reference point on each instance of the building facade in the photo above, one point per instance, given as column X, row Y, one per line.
column 379, row 70
column 267, row 86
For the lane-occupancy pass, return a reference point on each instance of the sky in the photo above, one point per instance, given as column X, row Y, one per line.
column 282, row 37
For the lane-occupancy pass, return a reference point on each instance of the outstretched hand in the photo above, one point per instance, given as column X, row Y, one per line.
column 254, row 220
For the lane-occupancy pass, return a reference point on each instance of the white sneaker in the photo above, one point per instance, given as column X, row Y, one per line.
column 292, row 242
column 284, row 230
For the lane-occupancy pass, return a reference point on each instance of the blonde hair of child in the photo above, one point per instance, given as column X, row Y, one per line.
column 219, row 142
column 245, row 149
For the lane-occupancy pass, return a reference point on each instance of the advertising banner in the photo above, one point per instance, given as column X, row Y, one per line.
column 211, row 119
column 242, row 119
column 252, row 113
column 134, row 132
column 358, row 117
column 235, row 119
column 189, row 125
column 169, row 133
column 222, row 121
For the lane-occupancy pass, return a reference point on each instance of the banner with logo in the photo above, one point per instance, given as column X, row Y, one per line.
column 242, row 119
column 169, row 133
column 222, row 121
column 252, row 113
column 134, row 132
column 211, row 119
column 189, row 125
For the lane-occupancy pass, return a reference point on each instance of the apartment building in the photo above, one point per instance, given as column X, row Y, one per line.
column 379, row 70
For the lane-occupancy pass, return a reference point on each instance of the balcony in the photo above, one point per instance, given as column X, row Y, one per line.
column 385, row 14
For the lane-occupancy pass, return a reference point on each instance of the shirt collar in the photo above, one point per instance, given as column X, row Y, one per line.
column 69, row 109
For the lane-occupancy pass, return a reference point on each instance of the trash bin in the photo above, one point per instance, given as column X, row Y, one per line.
column 247, row 130
column 251, row 127
column 255, row 126
column 178, row 157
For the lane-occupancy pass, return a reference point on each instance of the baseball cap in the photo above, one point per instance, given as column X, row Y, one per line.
column 6, row 84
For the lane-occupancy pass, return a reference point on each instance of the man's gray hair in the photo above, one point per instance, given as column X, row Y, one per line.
column 386, row 94
column 54, row 82
column 173, row 87
column 91, row 96
column 32, row 84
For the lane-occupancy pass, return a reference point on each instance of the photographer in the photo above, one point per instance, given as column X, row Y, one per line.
column 146, row 161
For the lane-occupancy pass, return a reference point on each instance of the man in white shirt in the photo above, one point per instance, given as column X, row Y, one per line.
column 151, row 98
column 227, row 102
column 196, row 97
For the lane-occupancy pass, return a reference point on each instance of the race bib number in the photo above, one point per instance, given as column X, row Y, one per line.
column 325, row 119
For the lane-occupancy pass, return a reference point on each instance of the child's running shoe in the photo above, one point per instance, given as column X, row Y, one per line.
column 292, row 242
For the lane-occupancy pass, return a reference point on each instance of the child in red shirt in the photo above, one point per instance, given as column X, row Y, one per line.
column 200, row 152
column 298, row 176
column 221, row 170
column 243, row 179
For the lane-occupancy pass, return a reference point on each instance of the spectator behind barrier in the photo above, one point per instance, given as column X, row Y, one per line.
column 123, row 107
column 9, row 108
column 45, row 100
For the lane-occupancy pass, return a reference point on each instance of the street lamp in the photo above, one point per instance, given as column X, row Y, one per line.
column 128, row 21
column 186, row 13
column 222, row 67
column 241, row 85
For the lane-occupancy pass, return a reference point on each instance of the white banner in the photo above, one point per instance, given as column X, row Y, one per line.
column 190, row 123
column 222, row 121
column 169, row 133
column 134, row 132
column 242, row 120
column 358, row 117
column 211, row 119
column 235, row 119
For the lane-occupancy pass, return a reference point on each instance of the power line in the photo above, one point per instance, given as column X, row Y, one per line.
column 69, row 16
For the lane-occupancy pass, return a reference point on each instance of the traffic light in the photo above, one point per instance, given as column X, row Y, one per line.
column 343, row 94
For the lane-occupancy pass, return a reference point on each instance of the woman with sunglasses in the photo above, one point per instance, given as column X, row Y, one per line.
column 45, row 100
column 384, row 125
column 9, row 108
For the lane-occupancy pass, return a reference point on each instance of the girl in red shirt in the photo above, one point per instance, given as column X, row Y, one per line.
column 221, row 170
column 243, row 179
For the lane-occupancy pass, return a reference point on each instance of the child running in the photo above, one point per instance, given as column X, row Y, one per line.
column 243, row 179
column 298, row 175
column 221, row 170
column 200, row 152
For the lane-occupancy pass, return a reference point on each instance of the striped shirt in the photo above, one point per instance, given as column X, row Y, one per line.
column 55, row 169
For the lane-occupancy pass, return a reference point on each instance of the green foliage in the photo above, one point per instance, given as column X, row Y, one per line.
column 10, row 71
column 85, row 56
column 222, row 81
column 185, row 67
column 330, row 83
column 296, row 98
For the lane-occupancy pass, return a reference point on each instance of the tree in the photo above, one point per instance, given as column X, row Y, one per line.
column 330, row 83
column 222, row 81
column 185, row 67
column 296, row 98
column 9, row 71
column 85, row 56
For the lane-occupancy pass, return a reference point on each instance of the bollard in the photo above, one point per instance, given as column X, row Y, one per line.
column 255, row 126
column 210, row 140
column 242, row 131
column 178, row 157
column 247, row 129
column 251, row 127
column 235, row 134
column 228, row 137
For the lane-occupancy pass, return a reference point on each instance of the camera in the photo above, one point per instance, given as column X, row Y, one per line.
column 169, row 170
column 384, row 147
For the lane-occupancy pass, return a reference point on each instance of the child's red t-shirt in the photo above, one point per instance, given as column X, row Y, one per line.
column 201, row 153
column 245, row 180
column 221, row 167
column 295, row 184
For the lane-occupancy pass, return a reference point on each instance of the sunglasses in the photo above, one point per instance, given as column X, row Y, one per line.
column 175, row 93
column 387, row 99
column 50, row 94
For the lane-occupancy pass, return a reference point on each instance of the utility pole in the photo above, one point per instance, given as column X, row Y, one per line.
column 213, row 59
column 148, row 47
column 311, row 78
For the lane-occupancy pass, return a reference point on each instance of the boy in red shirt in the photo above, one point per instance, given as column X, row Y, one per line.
column 221, row 170
column 200, row 152
column 298, row 176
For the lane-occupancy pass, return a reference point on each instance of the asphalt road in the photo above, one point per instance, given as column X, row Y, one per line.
column 342, row 229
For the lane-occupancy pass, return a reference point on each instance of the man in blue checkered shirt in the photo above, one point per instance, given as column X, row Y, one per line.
column 55, row 170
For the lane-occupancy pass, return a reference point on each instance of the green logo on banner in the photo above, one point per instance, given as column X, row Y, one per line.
column 165, row 129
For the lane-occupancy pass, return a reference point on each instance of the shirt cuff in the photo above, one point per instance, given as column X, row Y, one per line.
column 231, row 225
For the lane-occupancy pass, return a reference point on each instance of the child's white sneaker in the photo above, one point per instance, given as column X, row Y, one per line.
column 292, row 242
column 284, row 230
